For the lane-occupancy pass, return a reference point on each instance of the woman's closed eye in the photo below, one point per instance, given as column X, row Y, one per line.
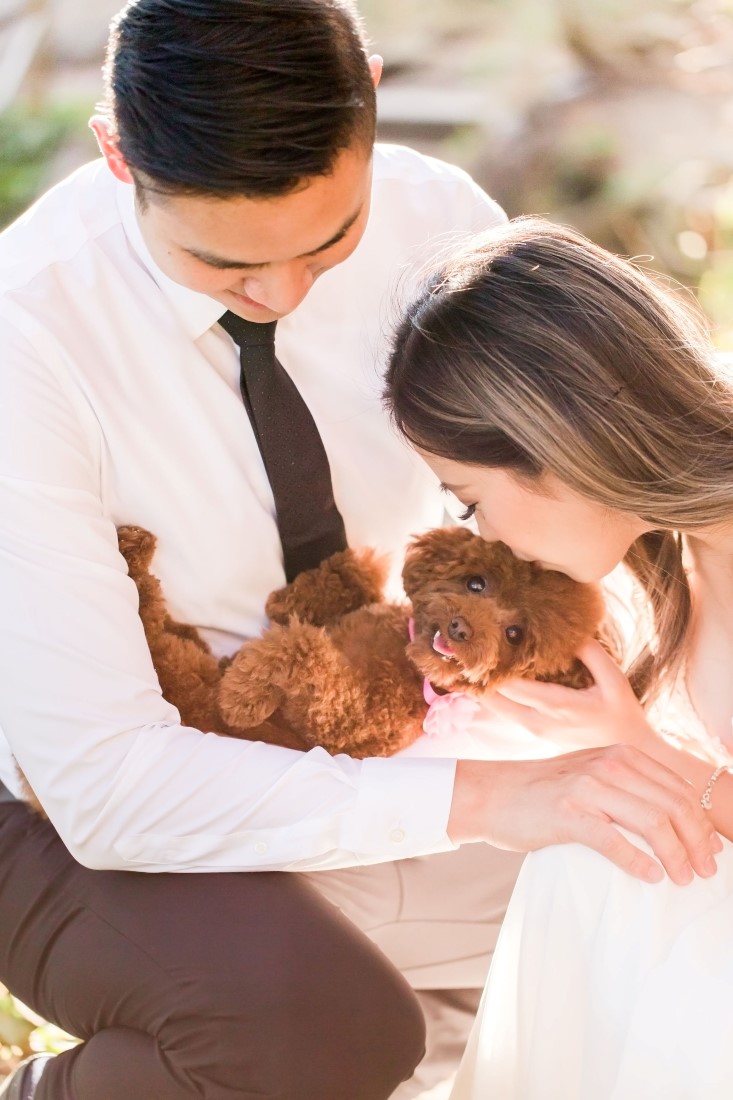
column 456, row 502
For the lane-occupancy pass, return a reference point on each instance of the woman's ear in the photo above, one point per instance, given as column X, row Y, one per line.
column 108, row 147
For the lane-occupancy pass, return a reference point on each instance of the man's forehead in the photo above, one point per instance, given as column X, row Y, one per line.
column 238, row 232
column 213, row 259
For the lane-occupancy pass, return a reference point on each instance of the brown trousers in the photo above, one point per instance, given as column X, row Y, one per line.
column 183, row 986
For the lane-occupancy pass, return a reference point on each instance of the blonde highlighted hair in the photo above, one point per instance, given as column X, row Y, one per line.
column 536, row 351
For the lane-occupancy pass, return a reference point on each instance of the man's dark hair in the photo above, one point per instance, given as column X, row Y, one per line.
column 236, row 97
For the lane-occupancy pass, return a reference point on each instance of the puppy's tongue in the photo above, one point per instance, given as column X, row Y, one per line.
column 440, row 646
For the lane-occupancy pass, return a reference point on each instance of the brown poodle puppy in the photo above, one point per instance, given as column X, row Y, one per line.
column 188, row 672
column 353, row 682
column 341, row 668
column 483, row 616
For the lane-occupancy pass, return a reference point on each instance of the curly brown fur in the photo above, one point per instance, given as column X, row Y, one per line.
column 483, row 616
column 188, row 673
column 351, row 689
column 337, row 668
column 343, row 583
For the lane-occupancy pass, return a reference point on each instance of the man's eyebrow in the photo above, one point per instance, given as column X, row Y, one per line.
column 225, row 264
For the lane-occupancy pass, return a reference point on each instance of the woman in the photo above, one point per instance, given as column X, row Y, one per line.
column 578, row 412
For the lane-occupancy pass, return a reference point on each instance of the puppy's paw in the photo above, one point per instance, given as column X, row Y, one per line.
column 342, row 583
column 247, row 694
column 137, row 547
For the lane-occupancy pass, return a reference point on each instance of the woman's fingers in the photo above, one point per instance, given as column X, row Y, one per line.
column 529, row 717
column 602, row 714
column 604, row 670
column 549, row 699
column 564, row 715
column 555, row 698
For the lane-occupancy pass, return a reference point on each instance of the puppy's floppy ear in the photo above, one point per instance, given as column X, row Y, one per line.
column 433, row 555
column 561, row 615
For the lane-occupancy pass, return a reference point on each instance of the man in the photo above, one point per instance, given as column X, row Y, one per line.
column 238, row 170
column 238, row 183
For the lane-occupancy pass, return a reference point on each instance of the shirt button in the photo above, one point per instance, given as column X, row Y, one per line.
column 397, row 836
column 260, row 848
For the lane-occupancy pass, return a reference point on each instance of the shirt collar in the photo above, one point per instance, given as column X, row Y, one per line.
column 197, row 312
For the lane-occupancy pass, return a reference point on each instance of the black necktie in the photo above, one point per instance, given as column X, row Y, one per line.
column 310, row 524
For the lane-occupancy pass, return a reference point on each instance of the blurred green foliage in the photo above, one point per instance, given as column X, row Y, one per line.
column 22, row 1033
column 31, row 138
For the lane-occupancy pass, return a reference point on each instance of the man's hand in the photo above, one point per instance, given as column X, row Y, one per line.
column 581, row 798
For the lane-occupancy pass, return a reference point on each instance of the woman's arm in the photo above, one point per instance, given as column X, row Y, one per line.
column 697, row 772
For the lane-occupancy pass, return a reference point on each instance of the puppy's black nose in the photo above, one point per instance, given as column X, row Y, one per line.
column 459, row 630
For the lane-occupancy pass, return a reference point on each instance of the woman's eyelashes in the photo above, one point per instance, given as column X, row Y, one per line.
column 468, row 511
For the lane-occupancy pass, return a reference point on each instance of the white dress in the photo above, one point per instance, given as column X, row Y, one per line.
column 606, row 988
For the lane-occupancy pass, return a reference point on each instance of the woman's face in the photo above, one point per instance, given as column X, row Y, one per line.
column 550, row 524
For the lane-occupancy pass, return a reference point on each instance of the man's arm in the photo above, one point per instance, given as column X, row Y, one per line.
column 583, row 797
column 123, row 782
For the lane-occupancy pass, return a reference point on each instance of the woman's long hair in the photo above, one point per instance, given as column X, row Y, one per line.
column 536, row 351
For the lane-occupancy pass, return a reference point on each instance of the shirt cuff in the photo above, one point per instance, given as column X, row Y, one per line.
column 402, row 809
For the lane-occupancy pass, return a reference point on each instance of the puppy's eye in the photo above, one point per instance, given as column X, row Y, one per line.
column 476, row 584
column 514, row 635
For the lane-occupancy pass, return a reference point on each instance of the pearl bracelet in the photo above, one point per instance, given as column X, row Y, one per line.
column 706, row 800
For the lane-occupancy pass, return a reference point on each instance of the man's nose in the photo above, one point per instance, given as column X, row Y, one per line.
column 281, row 289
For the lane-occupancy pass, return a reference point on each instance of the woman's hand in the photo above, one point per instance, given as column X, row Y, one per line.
column 582, row 797
column 604, row 714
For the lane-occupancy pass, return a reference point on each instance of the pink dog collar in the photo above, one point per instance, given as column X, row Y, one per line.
column 447, row 714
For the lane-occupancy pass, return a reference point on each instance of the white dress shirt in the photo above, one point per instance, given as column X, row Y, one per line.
column 120, row 403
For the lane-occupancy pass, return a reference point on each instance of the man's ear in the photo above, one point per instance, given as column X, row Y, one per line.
column 107, row 142
column 376, row 65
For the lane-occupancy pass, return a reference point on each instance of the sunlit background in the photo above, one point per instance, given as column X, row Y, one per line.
column 615, row 116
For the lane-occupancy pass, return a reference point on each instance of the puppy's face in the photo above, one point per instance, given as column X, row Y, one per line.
column 482, row 616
